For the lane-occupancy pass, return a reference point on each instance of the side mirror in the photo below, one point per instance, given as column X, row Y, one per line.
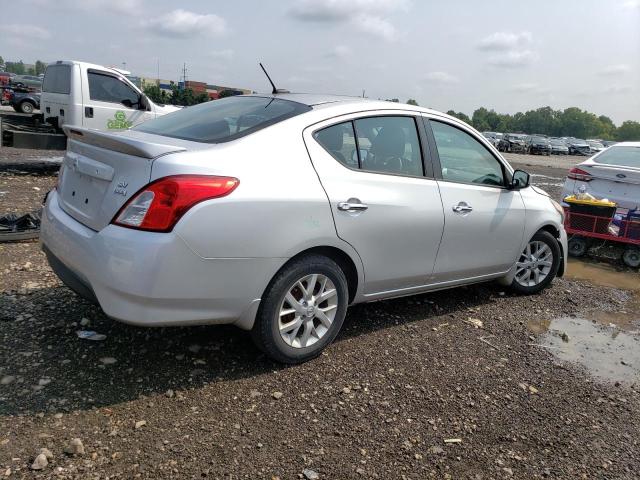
column 143, row 103
column 520, row 179
column 127, row 103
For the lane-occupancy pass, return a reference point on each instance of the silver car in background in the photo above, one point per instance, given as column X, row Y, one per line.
column 276, row 212
column 613, row 174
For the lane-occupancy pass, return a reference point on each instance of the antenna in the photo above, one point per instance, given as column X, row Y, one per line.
column 275, row 90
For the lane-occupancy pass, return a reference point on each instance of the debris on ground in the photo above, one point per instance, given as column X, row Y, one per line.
column 90, row 335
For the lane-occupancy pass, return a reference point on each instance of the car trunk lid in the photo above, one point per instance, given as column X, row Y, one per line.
column 616, row 183
column 101, row 171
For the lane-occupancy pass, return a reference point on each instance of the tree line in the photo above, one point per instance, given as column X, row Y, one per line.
column 570, row 122
column 19, row 68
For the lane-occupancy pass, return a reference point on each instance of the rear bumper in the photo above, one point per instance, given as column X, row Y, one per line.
column 152, row 279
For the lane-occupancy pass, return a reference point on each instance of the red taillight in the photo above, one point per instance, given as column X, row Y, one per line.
column 158, row 206
column 577, row 174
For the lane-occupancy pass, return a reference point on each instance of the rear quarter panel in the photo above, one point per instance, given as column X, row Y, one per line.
column 279, row 208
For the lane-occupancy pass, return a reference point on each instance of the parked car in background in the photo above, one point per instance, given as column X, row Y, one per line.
column 614, row 174
column 29, row 81
column 5, row 78
column 512, row 142
column 180, row 221
column 595, row 146
column 558, row 147
column 578, row 146
column 608, row 143
column 24, row 102
column 538, row 145
column 492, row 137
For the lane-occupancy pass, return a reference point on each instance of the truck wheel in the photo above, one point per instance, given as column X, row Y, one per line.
column 26, row 107
column 577, row 246
column 631, row 257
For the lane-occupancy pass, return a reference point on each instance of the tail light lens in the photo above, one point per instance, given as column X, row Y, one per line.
column 158, row 206
column 577, row 174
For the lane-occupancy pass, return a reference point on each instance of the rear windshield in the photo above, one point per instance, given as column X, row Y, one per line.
column 223, row 120
column 622, row 156
column 57, row 79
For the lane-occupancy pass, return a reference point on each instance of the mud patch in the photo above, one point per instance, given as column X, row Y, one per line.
column 606, row 343
column 608, row 353
column 603, row 274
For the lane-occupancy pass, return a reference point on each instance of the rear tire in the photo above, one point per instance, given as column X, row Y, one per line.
column 631, row 257
column 578, row 246
column 537, row 265
column 302, row 310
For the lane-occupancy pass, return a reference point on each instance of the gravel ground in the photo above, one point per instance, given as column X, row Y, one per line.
column 403, row 377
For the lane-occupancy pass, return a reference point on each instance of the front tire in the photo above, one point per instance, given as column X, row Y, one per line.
column 302, row 311
column 538, row 264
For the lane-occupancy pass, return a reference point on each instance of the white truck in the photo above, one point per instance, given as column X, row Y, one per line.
column 93, row 96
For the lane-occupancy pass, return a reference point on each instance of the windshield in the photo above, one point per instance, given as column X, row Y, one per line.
column 620, row 155
column 557, row 142
column 595, row 144
column 539, row 139
column 577, row 140
column 223, row 120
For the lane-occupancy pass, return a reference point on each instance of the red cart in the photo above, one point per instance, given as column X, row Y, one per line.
column 622, row 228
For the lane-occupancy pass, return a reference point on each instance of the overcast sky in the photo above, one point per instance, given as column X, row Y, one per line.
column 455, row 54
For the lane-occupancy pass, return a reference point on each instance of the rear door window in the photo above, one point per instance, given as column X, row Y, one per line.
column 340, row 141
column 389, row 145
column 107, row 88
column 224, row 120
column 57, row 79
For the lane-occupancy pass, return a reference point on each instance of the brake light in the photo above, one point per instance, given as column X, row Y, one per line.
column 158, row 206
column 577, row 174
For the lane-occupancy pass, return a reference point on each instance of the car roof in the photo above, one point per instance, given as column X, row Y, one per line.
column 317, row 100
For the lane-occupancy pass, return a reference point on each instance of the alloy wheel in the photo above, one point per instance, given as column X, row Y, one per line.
column 535, row 264
column 307, row 310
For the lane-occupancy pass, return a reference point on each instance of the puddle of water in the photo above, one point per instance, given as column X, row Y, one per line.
column 607, row 353
column 603, row 274
column 607, row 344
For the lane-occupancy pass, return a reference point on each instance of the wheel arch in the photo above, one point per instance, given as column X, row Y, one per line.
column 553, row 230
column 342, row 258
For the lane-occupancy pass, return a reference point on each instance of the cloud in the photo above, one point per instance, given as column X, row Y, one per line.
column 616, row 89
column 513, row 59
column 525, row 87
column 440, row 78
column 25, row 32
column 340, row 52
column 366, row 16
column 376, row 26
column 615, row 69
column 226, row 54
column 341, row 10
column 112, row 6
column 505, row 41
column 185, row 24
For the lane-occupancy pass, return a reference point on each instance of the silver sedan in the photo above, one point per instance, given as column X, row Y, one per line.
column 277, row 212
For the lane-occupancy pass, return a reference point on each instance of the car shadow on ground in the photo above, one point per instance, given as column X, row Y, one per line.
column 45, row 367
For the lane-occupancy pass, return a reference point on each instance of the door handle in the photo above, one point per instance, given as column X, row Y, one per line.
column 352, row 205
column 462, row 207
column 88, row 112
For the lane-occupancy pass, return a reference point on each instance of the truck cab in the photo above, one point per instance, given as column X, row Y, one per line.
column 94, row 96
